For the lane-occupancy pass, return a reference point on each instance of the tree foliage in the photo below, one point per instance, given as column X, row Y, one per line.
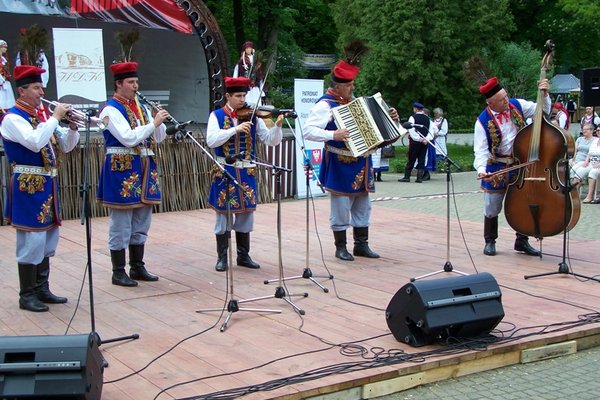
column 418, row 49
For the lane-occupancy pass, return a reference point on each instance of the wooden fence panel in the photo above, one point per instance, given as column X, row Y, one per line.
column 184, row 171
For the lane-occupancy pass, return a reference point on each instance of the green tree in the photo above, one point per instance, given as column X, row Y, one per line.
column 518, row 68
column 418, row 48
column 569, row 23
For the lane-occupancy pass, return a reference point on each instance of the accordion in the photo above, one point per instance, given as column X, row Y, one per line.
column 369, row 123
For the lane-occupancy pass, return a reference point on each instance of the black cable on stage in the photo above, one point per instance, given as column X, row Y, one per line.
column 382, row 358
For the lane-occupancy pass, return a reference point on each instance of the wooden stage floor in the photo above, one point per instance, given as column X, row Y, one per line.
column 343, row 338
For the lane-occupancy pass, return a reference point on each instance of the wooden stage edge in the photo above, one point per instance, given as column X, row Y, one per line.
column 545, row 317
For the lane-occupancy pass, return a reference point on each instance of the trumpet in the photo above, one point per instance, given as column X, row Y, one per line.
column 77, row 117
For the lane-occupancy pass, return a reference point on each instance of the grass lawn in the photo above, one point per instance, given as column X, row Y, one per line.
column 461, row 154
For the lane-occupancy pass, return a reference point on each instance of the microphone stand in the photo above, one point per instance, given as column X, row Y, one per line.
column 233, row 303
column 280, row 291
column 306, row 273
column 563, row 267
column 85, row 212
column 447, row 265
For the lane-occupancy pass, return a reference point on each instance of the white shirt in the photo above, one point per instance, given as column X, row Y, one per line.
column 414, row 135
column 509, row 133
column 17, row 129
column 215, row 136
column 119, row 127
column 318, row 118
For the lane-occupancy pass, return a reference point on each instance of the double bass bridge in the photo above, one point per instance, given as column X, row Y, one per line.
column 536, row 178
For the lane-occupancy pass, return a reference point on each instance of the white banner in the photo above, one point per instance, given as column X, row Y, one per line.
column 306, row 94
column 79, row 60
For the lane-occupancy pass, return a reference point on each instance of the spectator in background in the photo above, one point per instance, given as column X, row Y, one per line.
column 441, row 136
column 593, row 161
column 418, row 142
column 571, row 108
column 590, row 117
column 7, row 96
column 560, row 115
column 582, row 146
column 430, row 158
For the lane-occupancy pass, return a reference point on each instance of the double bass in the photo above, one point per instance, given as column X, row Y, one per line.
column 540, row 202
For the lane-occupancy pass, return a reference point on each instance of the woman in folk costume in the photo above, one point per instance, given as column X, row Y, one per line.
column 7, row 96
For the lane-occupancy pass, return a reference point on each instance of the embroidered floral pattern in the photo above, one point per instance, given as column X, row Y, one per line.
column 358, row 180
column 233, row 200
column 154, row 186
column 249, row 195
column 31, row 183
column 131, row 187
column 517, row 117
column 121, row 162
column 226, row 122
column 495, row 136
column 46, row 214
column 251, row 171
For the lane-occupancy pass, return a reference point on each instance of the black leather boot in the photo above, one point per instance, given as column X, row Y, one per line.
column 340, row 246
column 242, row 239
column 42, row 286
column 407, row 173
column 420, row 174
column 378, row 176
column 28, row 299
column 522, row 244
column 361, row 243
column 426, row 175
column 138, row 267
column 222, row 247
column 119, row 276
column 490, row 234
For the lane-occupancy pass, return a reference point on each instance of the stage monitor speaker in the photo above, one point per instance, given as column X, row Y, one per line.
column 51, row 367
column 428, row 311
column 590, row 87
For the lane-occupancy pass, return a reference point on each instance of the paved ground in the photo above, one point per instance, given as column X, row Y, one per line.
column 575, row 376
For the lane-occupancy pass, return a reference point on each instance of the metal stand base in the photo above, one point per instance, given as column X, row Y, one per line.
column 448, row 265
column 447, row 268
column 306, row 274
column 233, row 307
column 563, row 268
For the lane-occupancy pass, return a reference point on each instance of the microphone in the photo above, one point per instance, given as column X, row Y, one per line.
column 232, row 158
column 171, row 130
column 408, row 125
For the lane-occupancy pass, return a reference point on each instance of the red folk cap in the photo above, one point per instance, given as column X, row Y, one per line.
column 234, row 85
column 26, row 74
column 124, row 70
column 247, row 44
column 344, row 72
column 490, row 88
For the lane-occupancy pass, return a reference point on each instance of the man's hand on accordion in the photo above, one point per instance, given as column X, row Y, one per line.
column 341, row 135
column 394, row 114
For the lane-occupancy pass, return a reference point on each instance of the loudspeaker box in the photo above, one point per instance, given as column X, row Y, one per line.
column 427, row 311
column 51, row 367
column 590, row 87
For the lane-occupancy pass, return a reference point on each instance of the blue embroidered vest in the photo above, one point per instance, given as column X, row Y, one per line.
column 242, row 199
column 500, row 182
column 127, row 180
column 32, row 200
